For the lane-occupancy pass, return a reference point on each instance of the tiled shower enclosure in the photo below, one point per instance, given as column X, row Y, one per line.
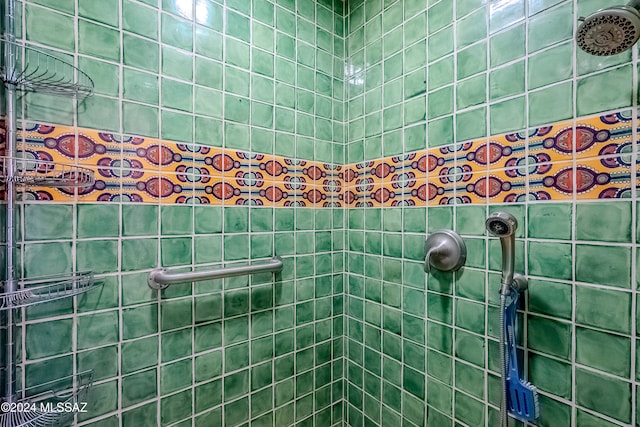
column 337, row 136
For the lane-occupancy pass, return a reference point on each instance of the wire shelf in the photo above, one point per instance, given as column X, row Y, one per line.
column 50, row 408
column 44, row 173
column 37, row 71
column 50, row 288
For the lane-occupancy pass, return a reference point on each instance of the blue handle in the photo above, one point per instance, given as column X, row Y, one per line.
column 511, row 334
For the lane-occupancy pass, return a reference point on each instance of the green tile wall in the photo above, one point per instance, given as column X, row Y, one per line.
column 422, row 349
column 386, row 77
column 260, row 351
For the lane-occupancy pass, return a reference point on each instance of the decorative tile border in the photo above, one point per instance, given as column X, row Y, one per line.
column 588, row 160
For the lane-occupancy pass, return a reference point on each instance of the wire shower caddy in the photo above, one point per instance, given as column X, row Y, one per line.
column 27, row 69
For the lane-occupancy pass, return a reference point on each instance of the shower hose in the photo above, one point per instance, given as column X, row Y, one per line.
column 503, row 361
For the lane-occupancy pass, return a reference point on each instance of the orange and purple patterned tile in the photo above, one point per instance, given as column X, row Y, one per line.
column 551, row 181
column 145, row 154
column 552, row 143
column 440, row 189
column 61, row 144
column 603, row 178
column 471, row 188
column 276, row 194
column 507, row 151
column 506, row 186
column 333, row 187
column 208, row 190
column 606, row 135
column 473, row 154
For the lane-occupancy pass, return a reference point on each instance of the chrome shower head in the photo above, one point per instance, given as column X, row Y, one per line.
column 504, row 225
column 501, row 224
column 610, row 31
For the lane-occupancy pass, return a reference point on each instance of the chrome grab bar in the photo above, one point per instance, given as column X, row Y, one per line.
column 160, row 278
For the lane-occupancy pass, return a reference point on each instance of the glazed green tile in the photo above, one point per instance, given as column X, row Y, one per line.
column 95, row 220
column 414, row 220
column 440, row 132
column 99, row 256
column 550, row 375
column 439, row 16
column 139, row 354
column 209, row 43
column 48, row 108
column 45, row 259
column 98, row 329
column 37, row 344
column 464, row 7
column 550, row 298
column 471, row 124
column 96, row 40
column 140, row 53
column 507, row 46
column 549, row 336
column 139, row 220
column 52, row 369
column 472, row 60
column 103, row 399
column 99, row 112
column 470, row 348
column 139, row 86
column 536, row 6
column 471, row 29
column 587, row 63
column 470, row 380
column 66, row 6
column 103, row 361
column 604, row 395
column 207, row 73
column 551, row 260
column 439, row 218
column 470, row 284
column 105, row 75
column 175, row 407
column 597, row 93
column 551, row 66
column 49, row 28
column 475, row 252
column 509, row 115
column 175, row 251
column 138, row 254
column 177, row 63
column 140, row 415
column 48, row 222
column 606, row 352
column 605, row 265
column 440, row 102
column 139, row 321
column 440, row 44
column 550, row 221
column 603, row 308
column 176, row 32
column 470, row 316
column 139, row 19
column 139, row 119
column 502, row 16
column 176, row 126
column 440, row 73
column 176, row 95
column 551, row 26
column 551, row 104
column 585, row 418
column 470, row 220
column 507, row 81
column 175, row 376
column 176, row 344
column 471, row 92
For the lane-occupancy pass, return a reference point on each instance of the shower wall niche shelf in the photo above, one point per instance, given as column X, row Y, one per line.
column 45, row 289
column 51, row 407
column 35, row 172
column 37, row 71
